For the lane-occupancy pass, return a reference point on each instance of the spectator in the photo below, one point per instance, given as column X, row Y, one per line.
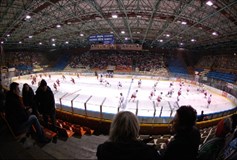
column 212, row 147
column 46, row 104
column 29, row 98
column 187, row 137
column 2, row 99
column 123, row 141
column 17, row 116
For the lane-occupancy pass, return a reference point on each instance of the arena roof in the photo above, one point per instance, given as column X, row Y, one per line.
column 190, row 24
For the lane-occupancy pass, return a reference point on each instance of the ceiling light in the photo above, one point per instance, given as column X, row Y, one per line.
column 81, row 34
column 123, row 32
column 126, row 38
column 8, row 35
column 161, row 40
column 139, row 16
column 66, row 42
column 167, row 35
column 234, row 54
column 2, row 42
column 111, row 32
column 20, row 42
column 54, row 44
column 28, row 17
column 181, row 44
column 53, row 39
column 209, row 3
column 214, row 33
column 40, row 43
column 58, row 26
column 192, row 40
column 30, row 36
column 114, row 16
column 183, row 22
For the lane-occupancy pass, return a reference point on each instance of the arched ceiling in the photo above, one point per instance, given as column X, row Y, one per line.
column 190, row 24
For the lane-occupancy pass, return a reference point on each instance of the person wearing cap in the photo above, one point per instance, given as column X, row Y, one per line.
column 46, row 104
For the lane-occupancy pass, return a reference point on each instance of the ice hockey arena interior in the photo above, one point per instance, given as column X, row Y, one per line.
column 101, row 57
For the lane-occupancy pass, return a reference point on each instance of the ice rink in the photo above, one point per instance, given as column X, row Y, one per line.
column 89, row 90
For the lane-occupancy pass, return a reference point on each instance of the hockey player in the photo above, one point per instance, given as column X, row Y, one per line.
column 73, row 81
column 159, row 98
column 78, row 75
column 58, row 82
column 139, row 83
column 209, row 101
column 152, row 94
column 119, row 85
column 170, row 92
column 107, row 84
column 188, row 89
column 171, row 84
column 205, row 93
column 63, row 77
column 55, row 86
column 179, row 94
column 121, row 100
column 133, row 96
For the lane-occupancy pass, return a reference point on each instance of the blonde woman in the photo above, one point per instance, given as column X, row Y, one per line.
column 123, row 141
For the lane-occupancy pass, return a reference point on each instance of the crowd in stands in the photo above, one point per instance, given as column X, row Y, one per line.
column 144, row 61
column 218, row 62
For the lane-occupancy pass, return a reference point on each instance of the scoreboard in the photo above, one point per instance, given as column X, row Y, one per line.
column 102, row 38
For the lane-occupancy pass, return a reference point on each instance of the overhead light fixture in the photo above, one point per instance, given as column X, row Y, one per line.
column 209, row 3
column 126, row 38
column 139, row 16
column 161, row 40
column 167, row 35
column 30, row 36
column 123, row 32
column 184, row 22
column 20, row 42
column 66, row 42
column 181, row 43
column 2, row 42
column 114, row 16
column 58, row 26
column 81, row 34
column 28, row 17
column 214, row 33
column 8, row 35
column 40, row 43
column 53, row 39
column 54, row 44
column 192, row 40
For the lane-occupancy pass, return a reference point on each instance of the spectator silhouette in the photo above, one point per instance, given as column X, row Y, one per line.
column 123, row 141
column 2, row 99
column 28, row 97
column 17, row 116
column 184, row 145
column 212, row 147
column 46, row 104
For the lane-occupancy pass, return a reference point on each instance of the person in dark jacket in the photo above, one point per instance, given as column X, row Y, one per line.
column 28, row 97
column 123, row 143
column 17, row 116
column 187, row 137
column 46, row 104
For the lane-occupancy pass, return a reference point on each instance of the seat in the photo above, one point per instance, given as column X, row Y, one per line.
column 16, row 136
